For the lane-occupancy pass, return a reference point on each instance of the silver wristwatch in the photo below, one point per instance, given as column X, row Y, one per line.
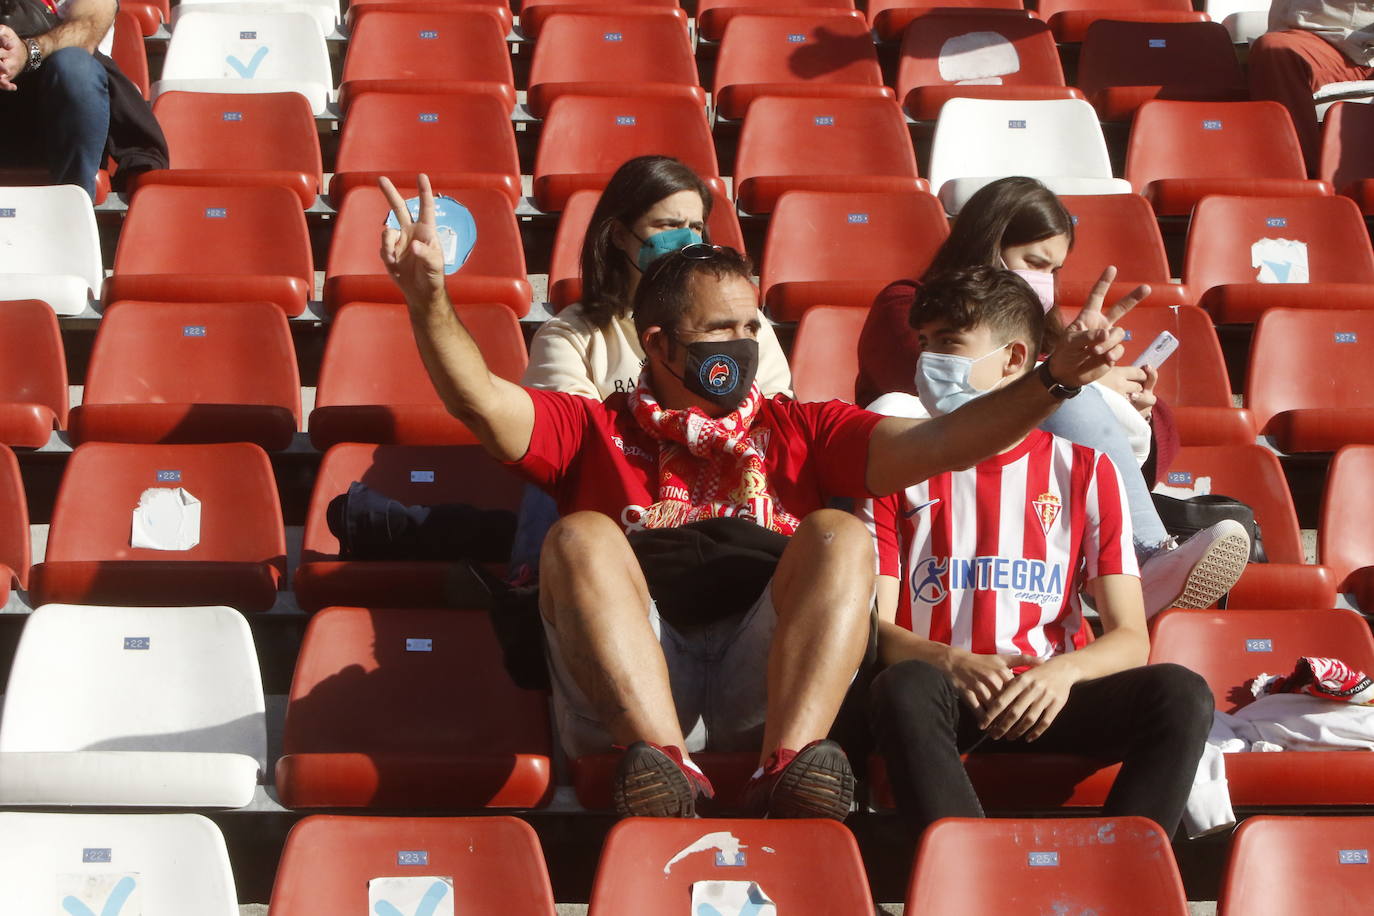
column 35, row 55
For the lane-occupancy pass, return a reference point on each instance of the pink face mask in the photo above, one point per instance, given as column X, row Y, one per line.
column 1042, row 282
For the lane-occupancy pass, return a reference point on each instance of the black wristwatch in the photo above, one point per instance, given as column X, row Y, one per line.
column 35, row 55
column 1052, row 385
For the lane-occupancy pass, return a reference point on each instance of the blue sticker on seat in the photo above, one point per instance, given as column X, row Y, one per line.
column 8, row 212
column 1127, row 333
column 858, row 218
column 1354, row 857
column 1016, row 125
column 624, row 120
column 1180, row 478
column 825, row 120
column 233, row 116
column 138, row 642
column 1211, row 125
column 429, row 117
column 1158, row 43
column 412, row 857
column 1047, row 859
column 1074, row 218
column 248, row 36
column 168, row 476
column 796, row 38
column 1259, row 645
column 737, row 862
column 97, row 854
column 429, row 34
column 453, row 223
column 1346, row 337
column 1276, row 222
column 216, row 212
column 193, row 330
column 613, row 36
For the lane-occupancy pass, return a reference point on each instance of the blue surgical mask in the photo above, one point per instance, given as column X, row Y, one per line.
column 661, row 243
column 942, row 380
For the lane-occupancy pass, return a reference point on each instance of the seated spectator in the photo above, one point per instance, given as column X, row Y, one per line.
column 54, row 93
column 651, row 206
column 1020, row 224
column 1310, row 44
column 980, row 617
column 697, row 440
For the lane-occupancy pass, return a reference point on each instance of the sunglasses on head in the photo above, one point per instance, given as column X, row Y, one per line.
column 700, row 251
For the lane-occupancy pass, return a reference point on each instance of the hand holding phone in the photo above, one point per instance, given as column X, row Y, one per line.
column 1160, row 349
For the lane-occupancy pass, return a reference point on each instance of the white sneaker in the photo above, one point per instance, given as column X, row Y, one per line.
column 1197, row 572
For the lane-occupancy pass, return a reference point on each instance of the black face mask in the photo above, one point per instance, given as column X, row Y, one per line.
column 721, row 371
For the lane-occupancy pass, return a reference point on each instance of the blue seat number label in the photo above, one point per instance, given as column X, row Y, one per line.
column 1048, row 859
column 412, row 857
column 169, row 477
column 1259, row 645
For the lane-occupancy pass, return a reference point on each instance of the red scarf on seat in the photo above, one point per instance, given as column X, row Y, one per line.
column 707, row 468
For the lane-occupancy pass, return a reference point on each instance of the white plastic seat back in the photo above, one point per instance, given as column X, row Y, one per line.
column 1246, row 20
column 324, row 12
column 1058, row 141
column 128, row 864
column 133, row 706
column 49, row 247
column 251, row 52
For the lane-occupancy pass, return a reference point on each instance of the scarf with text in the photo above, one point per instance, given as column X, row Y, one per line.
column 707, row 468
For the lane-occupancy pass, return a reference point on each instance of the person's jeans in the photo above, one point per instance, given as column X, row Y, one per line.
column 1088, row 420
column 1154, row 719
column 58, row 119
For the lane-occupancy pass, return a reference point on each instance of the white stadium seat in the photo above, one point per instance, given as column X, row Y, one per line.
column 252, row 52
column 49, row 247
column 130, row 864
column 325, row 14
column 1246, row 20
column 1058, row 141
column 123, row 706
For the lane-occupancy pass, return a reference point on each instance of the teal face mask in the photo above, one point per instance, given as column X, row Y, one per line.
column 661, row 243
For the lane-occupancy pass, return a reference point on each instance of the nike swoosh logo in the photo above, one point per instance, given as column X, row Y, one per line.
column 247, row 70
column 925, row 505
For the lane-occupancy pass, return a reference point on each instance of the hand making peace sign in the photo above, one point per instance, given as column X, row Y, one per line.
column 1092, row 343
column 412, row 255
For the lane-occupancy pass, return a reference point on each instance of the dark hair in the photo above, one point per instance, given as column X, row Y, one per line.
column 665, row 292
column 634, row 188
column 975, row 296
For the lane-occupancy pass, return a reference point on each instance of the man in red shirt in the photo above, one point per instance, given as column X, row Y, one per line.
column 696, row 441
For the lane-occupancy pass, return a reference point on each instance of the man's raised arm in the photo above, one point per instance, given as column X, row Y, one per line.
column 904, row 452
column 499, row 413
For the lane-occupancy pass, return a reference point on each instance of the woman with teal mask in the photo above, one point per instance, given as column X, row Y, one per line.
column 651, row 206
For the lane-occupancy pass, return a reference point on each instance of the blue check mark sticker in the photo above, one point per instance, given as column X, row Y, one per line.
column 113, row 904
column 752, row 908
column 428, row 904
column 911, row 513
column 247, row 70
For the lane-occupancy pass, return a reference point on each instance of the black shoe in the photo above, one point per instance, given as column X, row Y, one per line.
column 814, row 782
column 652, row 781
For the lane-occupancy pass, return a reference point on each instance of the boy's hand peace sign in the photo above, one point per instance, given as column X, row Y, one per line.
column 1092, row 343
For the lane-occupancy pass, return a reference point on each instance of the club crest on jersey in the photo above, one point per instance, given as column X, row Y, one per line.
column 1046, row 509
column 720, row 374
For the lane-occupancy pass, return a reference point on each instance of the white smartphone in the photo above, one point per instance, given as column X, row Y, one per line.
column 1160, row 349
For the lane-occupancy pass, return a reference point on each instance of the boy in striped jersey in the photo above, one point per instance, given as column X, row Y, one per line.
column 980, row 575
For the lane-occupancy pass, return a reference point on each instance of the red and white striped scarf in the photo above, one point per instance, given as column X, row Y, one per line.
column 707, row 467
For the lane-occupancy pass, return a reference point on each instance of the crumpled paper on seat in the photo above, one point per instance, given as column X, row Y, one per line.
column 166, row 518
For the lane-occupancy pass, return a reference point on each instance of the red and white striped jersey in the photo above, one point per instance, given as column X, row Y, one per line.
column 992, row 558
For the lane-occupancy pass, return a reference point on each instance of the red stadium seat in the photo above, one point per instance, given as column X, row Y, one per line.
column 1126, row 63
column 969, row 54
column 249, row 139
column 1120, row 230
column 1291, row 864
column 191, row 372
column 649, row 865
column 1041, row 865
column 1230, row 648
column 1247, row 254
column 494, row 865
column 373, row 387
column 459, row 140
column 565, row 267
column 14, row 527
column 1345, row 539
column 149, row 14
column 428, row 50
column 1347, row 136
column 128, row 50
column 1180, row 152
column 219, row 244
column 33, row 374
column 890, row 18
column 240, row 560
column 498, row 8
column 809, row 56
column 822, row 145
column 533, row 13
column 832, row 248
column 713, row 16
column 1070, row 19
column 825, row 353
column 494, row 271
column 374, row 718
column 586, row 138
column 414, row 475
column 1311, row 378
column 613, row 54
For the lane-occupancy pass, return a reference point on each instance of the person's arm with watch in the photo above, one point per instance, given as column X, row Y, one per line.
column 904, row 452
column 84, row 23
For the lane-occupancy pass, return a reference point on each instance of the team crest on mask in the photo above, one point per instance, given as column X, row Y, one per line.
column 719, row 374
column 1047, row 510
